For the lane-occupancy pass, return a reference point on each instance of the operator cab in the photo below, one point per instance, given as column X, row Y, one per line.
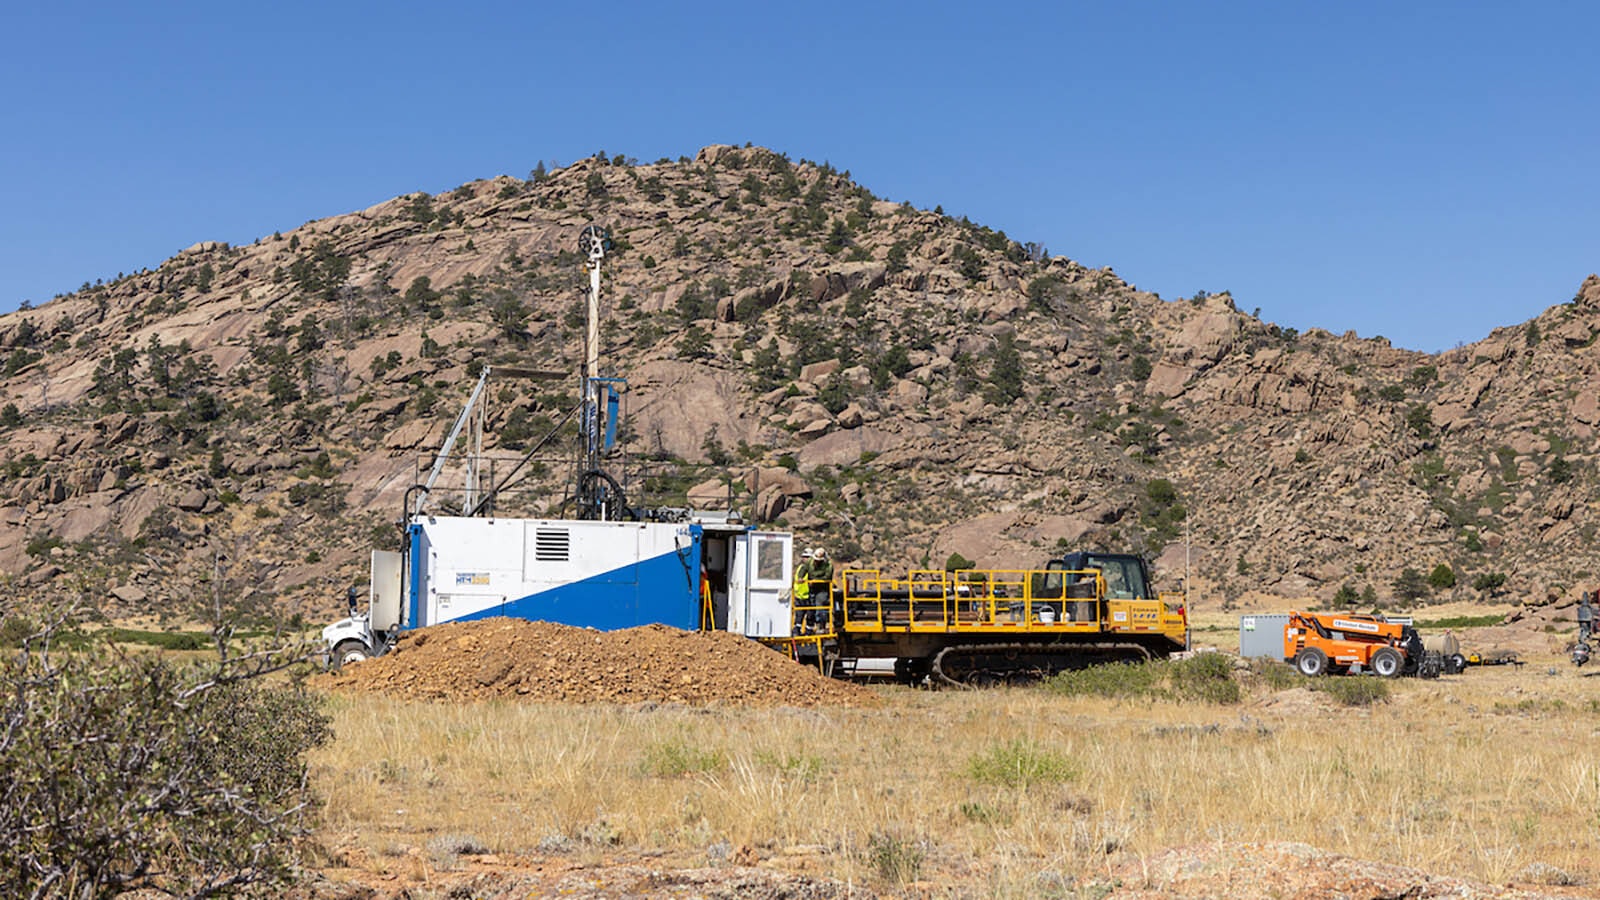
column 1124, row 573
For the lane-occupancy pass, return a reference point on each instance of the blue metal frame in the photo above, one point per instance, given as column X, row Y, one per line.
column 416, row 577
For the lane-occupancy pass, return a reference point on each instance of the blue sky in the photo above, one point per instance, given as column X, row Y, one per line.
column 1424, row 171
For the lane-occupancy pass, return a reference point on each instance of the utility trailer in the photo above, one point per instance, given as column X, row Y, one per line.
column 595, row 574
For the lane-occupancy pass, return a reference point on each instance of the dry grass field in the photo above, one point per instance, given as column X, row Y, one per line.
column 1492, row 775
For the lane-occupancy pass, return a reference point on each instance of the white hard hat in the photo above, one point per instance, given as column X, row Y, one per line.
column 821, row 553
column 807, row 553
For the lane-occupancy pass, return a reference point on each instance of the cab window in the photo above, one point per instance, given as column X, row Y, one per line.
column 1124, row 578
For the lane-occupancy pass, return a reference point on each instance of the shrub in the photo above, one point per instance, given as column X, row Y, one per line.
column 42, row 544
column 675, row 758
column 895, row 261
column 15, row 629
column 1111, row 680
column 694, row 344
column 1277, row 674
column 128, row 772
column 955, row 562
column 1206, row 677
column 1410, row 585
column 895, row 859
column 1559, row 471
column 1006, row 374
column 1489, row 582
column 1419, row 418
column 1019, row 764
column 1353, row 690
column 835, row 394
column 1442, row 577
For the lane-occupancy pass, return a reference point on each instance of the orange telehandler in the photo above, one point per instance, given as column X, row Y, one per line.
column 1319, row 643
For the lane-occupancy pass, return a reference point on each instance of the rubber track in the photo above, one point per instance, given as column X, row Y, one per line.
column 1053, row 650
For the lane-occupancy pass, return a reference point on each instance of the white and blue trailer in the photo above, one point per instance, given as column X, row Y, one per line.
column 613, row 567
column 604, row 575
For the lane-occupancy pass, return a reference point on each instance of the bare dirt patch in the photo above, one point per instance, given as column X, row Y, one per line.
column 1285, row 869
column 545, row 662
column 1224, row 869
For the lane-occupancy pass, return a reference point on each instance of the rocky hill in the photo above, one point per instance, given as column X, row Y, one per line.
column 241, row 424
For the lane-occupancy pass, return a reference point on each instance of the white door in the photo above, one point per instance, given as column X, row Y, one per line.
column 758, row 584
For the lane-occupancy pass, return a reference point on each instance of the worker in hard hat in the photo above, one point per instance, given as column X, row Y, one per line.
column 820, row 591
column 802, row 588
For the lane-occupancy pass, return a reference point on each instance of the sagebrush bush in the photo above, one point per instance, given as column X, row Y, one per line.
column 676, row 757
column 1020, row 763
column 1277, row 674
column 1352, row 690
column 1110, row 680
column 120, row 772
column 1207, row 677
column 895, row 859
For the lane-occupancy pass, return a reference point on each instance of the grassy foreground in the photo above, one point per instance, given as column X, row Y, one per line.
column 1489, row 775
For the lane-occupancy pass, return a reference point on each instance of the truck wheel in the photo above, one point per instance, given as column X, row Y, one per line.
column 347, row 652
column 1458, row 664
column 1311, row 662
column 1386, row 662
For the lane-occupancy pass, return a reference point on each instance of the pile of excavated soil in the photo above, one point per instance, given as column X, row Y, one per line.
column 545, row 662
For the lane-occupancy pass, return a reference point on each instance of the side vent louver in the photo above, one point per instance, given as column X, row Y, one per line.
column 552, row 545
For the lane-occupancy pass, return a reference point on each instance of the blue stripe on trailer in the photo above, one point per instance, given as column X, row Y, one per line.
column 662, row 590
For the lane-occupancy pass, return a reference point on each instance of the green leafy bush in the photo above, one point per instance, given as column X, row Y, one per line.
column 1110, row 680
column 1442, row 577
column 1204, row 677
column 125, row 772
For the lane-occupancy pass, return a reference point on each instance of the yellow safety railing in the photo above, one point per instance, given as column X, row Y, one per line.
column 810, row 624
column 994, row 600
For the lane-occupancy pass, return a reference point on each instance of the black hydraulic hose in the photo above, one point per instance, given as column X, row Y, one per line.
column 586, row 489
column 405, row 504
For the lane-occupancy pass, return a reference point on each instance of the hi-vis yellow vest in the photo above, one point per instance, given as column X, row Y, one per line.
column 802, row 585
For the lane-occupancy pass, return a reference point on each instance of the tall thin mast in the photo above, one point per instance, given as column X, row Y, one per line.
column 593, row 242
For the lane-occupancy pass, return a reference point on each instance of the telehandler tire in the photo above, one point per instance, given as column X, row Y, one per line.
column 1311, row 662
column 1386, row 662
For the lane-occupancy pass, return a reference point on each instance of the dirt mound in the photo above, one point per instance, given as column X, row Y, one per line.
column 545, row 662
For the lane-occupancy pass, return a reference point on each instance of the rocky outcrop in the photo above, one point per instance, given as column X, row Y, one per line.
column 888, row 381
